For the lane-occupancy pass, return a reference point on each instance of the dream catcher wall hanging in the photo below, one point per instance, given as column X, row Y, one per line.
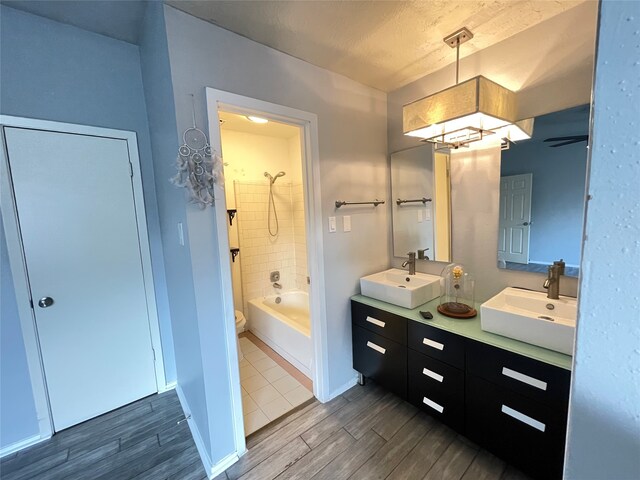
column 198, row 167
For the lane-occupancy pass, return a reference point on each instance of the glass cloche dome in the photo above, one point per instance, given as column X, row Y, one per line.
column 457, row 293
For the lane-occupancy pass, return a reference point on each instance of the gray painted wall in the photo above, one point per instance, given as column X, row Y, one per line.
column 528, row 62
column 58, row 72
column 604, row 420
column 352, row 126
column 187, row 335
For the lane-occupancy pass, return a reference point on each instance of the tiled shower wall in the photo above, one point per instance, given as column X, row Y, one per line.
column 260, row 253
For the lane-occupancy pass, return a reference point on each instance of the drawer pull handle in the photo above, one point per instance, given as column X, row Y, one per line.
column 436, row 406
column 433, row 344
column 521, row 377
column 429, row 373
column 375, row 321
column 532, row 422
column 377, row 348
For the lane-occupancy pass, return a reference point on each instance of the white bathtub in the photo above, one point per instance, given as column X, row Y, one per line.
column 284, row 326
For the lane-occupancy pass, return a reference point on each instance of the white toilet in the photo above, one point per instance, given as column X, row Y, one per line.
column 241, row 323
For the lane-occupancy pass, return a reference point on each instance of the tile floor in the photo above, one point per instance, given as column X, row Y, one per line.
column 268, row 391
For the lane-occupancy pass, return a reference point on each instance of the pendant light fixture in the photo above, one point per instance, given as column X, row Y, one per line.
column 467, row 112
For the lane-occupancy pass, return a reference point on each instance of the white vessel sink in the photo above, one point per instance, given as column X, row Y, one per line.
column 399, row 288
column 532, row 317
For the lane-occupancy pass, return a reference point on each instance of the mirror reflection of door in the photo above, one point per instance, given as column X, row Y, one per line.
column 556, row 158
column 515, row 218
column 421, row 206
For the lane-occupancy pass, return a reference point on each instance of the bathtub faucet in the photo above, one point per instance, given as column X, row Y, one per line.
column 276, row 285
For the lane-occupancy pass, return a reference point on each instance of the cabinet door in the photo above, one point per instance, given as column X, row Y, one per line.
column 380, row 322
column 381, row 359
column 436, row 343
column 539, row 381
column 525, row 433
column 436, row 388
column 448, row 381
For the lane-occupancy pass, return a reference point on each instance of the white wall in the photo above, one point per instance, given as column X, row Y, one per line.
column 550, row 65
column 352, row 144
column 604, row 420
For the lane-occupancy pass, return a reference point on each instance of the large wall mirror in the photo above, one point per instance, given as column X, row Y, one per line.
column 421, row 203
column 542, row 194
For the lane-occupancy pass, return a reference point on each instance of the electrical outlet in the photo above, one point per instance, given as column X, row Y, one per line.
column 419, row 216
column 332, row 225
column 346, row 223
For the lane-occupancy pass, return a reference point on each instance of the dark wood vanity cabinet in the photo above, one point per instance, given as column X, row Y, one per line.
column 512, row 405
column 380, row 347
column 517, row 408
column 436, row 388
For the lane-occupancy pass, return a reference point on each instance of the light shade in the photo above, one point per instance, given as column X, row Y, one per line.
column 465, row 113
column 521, row 130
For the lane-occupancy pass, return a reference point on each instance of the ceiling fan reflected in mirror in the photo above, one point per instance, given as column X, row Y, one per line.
column 567, row 140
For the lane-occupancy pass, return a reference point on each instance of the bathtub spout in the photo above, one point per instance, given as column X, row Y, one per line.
column 276, row 285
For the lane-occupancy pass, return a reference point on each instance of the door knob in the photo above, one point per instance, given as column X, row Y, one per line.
column 45, row 302
column 526, row 224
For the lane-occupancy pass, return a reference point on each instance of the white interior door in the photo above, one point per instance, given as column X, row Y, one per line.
column 515, row 218
column 76, row 210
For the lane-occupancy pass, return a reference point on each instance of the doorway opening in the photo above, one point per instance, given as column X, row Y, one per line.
column 265, row 203
column 220, row 103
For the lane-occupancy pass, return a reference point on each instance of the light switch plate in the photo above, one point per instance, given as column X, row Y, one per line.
column 427, row 214
column 332, row 225
column 346, row 223
column 180, row 234
column 419, row 216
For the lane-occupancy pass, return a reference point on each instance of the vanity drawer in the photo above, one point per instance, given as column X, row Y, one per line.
column 428, row 373
column 436, row 343
column 536, row 380
column 381, row 359
column 525, row 433
column 380, row 322
column 448, row 409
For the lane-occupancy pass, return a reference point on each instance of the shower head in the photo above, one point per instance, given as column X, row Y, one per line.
column 273, row 179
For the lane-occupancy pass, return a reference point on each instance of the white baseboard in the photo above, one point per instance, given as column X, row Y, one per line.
column 27, row 442
column 223, row 464
column 343, row 388
column 212, row 469
column 168, row 386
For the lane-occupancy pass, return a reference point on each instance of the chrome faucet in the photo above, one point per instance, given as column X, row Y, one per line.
column 411, row 262
column 552, row 283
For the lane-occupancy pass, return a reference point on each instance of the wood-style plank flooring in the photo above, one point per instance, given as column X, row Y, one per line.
column 143, row 440
column 366, row 433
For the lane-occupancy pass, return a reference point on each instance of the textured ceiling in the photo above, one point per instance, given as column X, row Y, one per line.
column 121, row 20
column 384, row 44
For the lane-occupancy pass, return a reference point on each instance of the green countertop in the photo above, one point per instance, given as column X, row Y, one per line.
column 471, row 329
